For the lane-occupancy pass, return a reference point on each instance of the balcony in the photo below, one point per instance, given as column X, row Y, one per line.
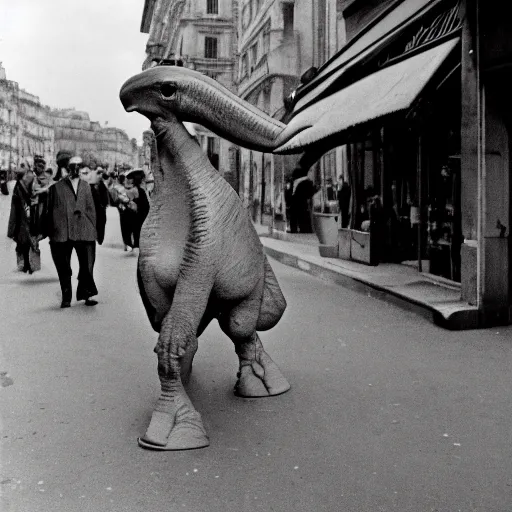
column 282, row 61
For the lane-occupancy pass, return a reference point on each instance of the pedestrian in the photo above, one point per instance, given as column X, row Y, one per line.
column 130, row 217
column 3, row 183
column 27, row 245
column 139, row 204
column 344, row 192
column 120, row 199
column 150, row 182
column 100, row 196
column 290, row 211
column 71, row 224
column 303, row 190
column 62, row 158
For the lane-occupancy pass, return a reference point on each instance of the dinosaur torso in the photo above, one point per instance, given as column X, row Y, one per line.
column 196, row 222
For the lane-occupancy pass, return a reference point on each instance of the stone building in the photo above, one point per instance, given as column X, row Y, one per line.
column 9, row 123
column 107, row 146
column 200, row 35
column 278, row 43
column 26, row 127
column 114, row 148
column 36, row 129
column 418, row 98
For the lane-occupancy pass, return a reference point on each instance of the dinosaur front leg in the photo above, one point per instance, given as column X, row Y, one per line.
column 175, row 423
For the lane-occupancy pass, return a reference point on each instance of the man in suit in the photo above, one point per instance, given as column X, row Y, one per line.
column 71, row 224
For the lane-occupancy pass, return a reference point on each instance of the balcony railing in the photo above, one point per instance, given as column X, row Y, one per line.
column 283, row 60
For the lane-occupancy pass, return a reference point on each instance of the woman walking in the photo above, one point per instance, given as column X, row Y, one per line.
column 27, row 245
column 139, row 203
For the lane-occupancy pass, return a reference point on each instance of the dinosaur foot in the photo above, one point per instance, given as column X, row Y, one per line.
column 260, row 378
column 172, row 432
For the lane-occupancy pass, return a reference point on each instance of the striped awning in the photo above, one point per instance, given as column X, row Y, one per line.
column 390, row 90
column 386, row 29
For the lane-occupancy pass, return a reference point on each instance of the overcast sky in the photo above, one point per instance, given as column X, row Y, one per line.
column 75, row 53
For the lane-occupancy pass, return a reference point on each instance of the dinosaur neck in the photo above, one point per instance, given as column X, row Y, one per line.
column 186, row 173
column 183, row 153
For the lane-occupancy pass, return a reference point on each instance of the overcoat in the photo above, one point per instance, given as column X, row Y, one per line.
column 19, row 222
column 70, row 216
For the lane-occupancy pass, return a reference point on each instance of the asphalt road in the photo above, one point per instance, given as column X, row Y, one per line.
column 387, row 412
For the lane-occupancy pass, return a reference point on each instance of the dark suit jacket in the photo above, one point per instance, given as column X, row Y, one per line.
column 70, row 216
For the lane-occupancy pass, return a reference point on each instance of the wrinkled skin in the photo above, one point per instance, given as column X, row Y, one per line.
column 200, row 257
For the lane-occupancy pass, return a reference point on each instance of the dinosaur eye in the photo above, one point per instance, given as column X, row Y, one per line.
column 168, row 90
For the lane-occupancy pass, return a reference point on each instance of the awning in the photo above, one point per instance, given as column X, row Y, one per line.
column 390, row 90
column 384, row 30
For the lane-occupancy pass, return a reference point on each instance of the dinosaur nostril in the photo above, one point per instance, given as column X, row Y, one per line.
column 168, row 90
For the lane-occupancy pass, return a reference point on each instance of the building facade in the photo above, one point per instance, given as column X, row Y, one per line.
column 419, row 106
column 9, row 123
column 106, row 146
column 26, row 127
column 36, row 129
column 199, row 35
column 280, row 44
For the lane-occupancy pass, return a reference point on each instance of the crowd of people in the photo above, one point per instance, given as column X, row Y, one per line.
column 69, row 207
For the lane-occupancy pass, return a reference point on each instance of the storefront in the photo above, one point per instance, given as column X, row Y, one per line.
column 418, row 103
column 395, row 109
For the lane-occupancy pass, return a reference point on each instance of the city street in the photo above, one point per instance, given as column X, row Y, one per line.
column 387, row 412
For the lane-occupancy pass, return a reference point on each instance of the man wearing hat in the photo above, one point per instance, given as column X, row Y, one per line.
column 71, row 224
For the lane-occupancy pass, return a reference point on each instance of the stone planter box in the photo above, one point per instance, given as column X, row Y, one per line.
column 325, row 226
column 344, row 242
column 357, row 245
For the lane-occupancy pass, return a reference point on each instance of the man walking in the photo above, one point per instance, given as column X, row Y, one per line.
column 71, row 224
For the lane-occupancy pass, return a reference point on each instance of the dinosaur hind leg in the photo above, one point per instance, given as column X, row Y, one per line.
column 258, row 375
column 273, row 302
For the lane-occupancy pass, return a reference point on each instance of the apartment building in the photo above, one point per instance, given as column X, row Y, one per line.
column 200, row 35
column 75, row 132
column 279, row 43
column 9, row 124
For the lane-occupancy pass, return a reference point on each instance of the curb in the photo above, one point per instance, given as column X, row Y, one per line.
column 459, row 320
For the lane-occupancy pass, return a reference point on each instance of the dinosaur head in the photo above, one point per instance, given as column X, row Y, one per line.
column 171, row 92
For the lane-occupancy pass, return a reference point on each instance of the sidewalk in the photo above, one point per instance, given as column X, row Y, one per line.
column 437, row 299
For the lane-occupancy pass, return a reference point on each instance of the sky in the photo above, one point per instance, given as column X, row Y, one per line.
column 76, row 53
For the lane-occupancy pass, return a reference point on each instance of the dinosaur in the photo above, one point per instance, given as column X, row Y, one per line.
column 200, row 257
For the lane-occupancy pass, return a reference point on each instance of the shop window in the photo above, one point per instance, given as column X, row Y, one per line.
column 212, row 7
column 210, row 47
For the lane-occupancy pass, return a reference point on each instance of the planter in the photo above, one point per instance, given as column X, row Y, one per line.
column 362, row 247
column 344, row 243
column 357, row 245
column 325, row 226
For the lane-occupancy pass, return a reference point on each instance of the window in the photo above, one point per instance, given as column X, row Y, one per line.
column 246, row 17
column 254, row 55
column 245, row 65
column 266, row 38
column 212, row 7
column 210, row 47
